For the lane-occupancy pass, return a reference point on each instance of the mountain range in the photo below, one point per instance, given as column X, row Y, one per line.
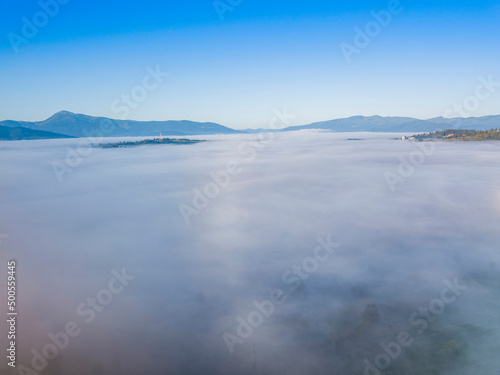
column 66, row 124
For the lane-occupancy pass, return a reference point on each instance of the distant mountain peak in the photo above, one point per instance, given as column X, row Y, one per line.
column 64, row 113
column 60, row 115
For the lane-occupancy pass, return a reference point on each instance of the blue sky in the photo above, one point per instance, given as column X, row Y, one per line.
column 261, row 56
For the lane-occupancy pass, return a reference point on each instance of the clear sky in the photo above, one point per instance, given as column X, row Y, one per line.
column 236, row 66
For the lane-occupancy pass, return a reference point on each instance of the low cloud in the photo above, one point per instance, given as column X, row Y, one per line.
column 191, row 282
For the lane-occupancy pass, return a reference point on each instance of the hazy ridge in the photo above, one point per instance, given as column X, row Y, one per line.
column 66, row 123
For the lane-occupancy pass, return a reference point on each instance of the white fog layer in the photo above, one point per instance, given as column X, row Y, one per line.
column 311, row 254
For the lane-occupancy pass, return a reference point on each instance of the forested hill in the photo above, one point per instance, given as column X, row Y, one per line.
column 462, row 135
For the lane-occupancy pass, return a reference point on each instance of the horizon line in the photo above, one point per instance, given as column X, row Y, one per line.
column 213, row 122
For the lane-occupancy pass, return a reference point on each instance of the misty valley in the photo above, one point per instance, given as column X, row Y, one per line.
column 307, row 258
column 253, row 187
